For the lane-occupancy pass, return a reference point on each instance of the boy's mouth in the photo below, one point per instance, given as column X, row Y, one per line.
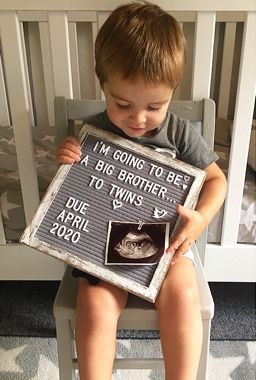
column 136, row 128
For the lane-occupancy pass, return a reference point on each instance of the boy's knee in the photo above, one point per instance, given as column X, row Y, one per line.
column 175, row 297
column 98, row 301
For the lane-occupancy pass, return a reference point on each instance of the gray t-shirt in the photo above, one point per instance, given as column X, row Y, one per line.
column 176, row 135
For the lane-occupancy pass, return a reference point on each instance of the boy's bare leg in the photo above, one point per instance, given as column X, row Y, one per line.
column 98, row 310
column 180, row 321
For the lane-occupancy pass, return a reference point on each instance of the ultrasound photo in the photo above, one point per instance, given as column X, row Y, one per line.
column 136, row 243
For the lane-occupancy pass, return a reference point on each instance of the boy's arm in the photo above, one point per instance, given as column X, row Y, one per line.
column 193, row 222
column 68, row 151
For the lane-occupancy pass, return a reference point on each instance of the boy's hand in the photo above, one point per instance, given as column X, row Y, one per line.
column 192, row 225
column 68, row 151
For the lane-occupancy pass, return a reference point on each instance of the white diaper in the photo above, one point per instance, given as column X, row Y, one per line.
column 190, row 255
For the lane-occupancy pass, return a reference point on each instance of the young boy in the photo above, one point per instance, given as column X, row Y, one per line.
column 140, row 52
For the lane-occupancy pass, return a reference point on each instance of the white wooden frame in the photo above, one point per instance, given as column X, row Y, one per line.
column 147, row 292
column 228, row 254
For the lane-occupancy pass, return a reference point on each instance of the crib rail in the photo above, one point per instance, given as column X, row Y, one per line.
column 46, row 49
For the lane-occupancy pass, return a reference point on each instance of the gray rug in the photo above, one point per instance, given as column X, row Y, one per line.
column 26, row 310
column 36, row 359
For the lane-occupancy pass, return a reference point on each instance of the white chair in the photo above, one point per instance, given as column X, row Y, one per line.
column 139, row 314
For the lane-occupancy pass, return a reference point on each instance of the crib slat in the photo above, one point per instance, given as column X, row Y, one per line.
column 60, row 51
column 184, row 87
column 2, row 233
column 15, row 78
column 86, row 60
column 178, row 91
column 37, row 75
column 82, row 16
column 203, row 53
column 184, row 17
column 215, row 66
column 32, row 15
column 74, row 60
column 31, row 113
column 4, row 111
column 226, row 69
column 241, row 131
column 102, row 16
column 97, row 85
column 47, row 69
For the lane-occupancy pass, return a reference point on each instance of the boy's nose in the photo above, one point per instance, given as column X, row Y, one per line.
column 138, row 117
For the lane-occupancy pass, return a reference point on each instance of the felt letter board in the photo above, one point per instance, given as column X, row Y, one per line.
column 112, row 213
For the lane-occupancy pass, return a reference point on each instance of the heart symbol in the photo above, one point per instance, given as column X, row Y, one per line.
column 184, row 186
column 116, row 204
column 186, row 178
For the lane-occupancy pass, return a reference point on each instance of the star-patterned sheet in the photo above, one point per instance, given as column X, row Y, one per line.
column 10, row 190
column 44, row 148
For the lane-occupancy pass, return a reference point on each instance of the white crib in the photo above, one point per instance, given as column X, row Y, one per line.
column 46, row 49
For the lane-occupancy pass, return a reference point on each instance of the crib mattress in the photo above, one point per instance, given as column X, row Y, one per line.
column 46, row 166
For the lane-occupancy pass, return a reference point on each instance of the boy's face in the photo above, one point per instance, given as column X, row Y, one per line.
column 136, row 107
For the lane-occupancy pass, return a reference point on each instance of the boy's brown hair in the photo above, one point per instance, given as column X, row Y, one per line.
column 140, row 39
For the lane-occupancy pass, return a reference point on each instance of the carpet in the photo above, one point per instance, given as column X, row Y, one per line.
column 26, row 310
column 23, row 358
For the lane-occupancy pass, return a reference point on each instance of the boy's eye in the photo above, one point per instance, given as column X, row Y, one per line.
column 154, row 108
column 123, row 106
column 126, row 106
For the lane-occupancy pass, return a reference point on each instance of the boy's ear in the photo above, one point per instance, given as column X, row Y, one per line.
column 102, row 85
column 175, row 88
